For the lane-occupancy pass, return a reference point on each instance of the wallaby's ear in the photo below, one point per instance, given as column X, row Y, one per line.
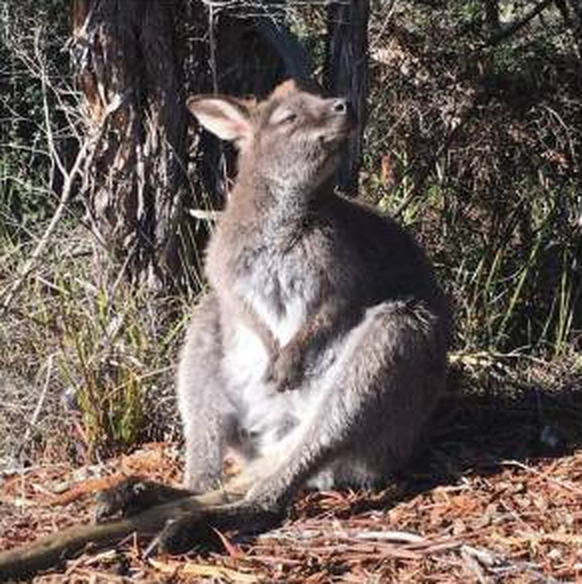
column 225, row 117
column 285, row 89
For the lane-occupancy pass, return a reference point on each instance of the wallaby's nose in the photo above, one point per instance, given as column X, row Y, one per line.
column 341, row 106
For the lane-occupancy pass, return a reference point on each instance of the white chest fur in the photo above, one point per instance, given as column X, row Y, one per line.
column 284, row 323
column 282, row 308
column 277, row 300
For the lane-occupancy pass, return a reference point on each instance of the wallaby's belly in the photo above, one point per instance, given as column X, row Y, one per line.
column 266, row 415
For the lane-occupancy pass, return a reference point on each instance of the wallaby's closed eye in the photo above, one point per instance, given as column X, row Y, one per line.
column 320, row 350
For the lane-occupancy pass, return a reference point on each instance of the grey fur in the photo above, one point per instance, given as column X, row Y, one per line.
column 320, row 350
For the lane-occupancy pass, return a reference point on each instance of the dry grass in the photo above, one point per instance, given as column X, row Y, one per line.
column 86, row 360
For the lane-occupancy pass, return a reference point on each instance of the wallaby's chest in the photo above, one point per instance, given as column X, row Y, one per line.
column 279, row 296
column 276, row 285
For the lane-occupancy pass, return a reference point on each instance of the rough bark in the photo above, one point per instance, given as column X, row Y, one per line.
column 128, row 69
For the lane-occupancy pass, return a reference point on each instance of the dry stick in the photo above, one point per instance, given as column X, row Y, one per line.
column 568, row 486
column 45, row 106
column 44, row 240
column 69, row 177
column 37, row 410
column 49, row 551
column 66, row 194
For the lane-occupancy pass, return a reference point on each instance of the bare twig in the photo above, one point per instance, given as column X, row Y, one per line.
column 40, row 248
column 39, row 405
column 518, row 25
column 70, row 176
column 545, row 476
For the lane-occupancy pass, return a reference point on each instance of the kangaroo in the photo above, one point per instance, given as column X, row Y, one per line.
column 317, row 355
column 320, row 350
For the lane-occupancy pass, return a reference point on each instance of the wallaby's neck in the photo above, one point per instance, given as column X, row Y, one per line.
column 267, row 203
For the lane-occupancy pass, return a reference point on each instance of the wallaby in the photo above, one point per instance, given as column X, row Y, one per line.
column 318, row 353
column 320, row 350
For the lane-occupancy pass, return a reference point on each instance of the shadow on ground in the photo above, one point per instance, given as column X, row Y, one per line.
column 481, row 427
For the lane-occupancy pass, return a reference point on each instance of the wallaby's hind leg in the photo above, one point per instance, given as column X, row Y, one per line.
column 385, row 382
column 200, row 395
column 201, row 398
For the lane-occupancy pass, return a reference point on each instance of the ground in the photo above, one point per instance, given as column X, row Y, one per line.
column 496, row 497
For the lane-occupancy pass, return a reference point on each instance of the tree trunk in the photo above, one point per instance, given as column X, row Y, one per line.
column 151, row 171
column 346, row 74
column 128, row 68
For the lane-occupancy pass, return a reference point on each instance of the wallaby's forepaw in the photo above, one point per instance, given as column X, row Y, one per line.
column 286, row 369
column 131, row 496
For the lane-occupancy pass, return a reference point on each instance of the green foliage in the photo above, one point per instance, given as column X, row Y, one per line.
column 23, row 201
column 27, row 171
column 476, row 140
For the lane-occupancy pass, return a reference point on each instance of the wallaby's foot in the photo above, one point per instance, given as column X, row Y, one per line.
column 133, row 495
column 181, row 535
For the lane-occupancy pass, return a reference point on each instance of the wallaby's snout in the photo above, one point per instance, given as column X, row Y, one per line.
column 341, row 115
column 342, row 107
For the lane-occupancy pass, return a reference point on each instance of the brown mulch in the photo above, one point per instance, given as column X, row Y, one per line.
column 518, row 522
column 496, row 497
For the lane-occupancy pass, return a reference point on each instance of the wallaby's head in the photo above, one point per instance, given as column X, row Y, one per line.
column 292, row 139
